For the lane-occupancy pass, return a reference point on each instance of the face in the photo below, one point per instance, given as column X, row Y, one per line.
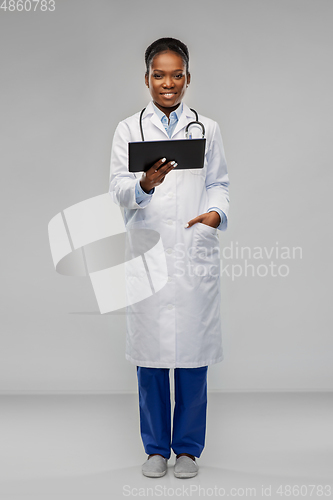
column 167, row 80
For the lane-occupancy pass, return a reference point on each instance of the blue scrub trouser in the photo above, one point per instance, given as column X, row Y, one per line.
column 189, row 418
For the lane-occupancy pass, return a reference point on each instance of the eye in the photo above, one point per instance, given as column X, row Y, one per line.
column 157, row 76
column 179, row 76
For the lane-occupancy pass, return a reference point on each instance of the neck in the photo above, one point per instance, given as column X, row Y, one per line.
column 168, row 110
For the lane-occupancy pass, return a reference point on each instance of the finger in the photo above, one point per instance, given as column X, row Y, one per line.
column 151, row 172
column 167, row 167
column 160, row 174
column 193, row 221
column 158, row 164
column 162, row 168
column 171, row 167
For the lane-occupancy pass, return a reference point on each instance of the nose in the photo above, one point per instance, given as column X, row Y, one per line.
column 168, row 83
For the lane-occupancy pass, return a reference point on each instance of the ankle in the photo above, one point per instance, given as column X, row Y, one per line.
column 185, row 454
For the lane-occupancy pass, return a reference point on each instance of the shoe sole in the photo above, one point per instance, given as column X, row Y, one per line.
column 154, row 474
column 185, row 474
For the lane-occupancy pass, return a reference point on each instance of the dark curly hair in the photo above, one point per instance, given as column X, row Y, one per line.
column 163, row 44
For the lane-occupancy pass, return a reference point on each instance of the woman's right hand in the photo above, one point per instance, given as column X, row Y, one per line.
column 155, row 175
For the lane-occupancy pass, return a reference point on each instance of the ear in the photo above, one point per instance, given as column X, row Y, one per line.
column 146, row 80
column 188, row 78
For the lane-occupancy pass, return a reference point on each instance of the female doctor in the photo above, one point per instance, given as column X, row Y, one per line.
column 179, row 326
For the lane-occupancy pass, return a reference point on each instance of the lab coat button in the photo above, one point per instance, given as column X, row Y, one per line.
column 169, row 222
column 169, row 279
column 170, row 306
column 169, row 250
column 170, row 195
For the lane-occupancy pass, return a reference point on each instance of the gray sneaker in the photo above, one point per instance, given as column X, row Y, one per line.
column 185, row 467
column 155, row 466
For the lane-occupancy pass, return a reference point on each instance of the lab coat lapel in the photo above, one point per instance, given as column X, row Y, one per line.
column 154, row 119
column 186, row 117
column 157, row 122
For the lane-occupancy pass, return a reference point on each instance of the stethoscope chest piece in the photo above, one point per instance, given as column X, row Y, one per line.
column 187, row 132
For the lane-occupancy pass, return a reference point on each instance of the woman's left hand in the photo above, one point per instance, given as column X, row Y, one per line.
column 209, row 218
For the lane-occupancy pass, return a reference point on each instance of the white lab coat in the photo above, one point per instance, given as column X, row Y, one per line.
column 180, row 325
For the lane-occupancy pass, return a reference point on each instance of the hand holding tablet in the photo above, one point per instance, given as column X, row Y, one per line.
column 155, row 175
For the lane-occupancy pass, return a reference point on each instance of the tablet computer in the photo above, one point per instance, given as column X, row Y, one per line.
column 188, row 153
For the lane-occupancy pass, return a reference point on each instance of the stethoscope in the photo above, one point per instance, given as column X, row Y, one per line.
column 187, row 126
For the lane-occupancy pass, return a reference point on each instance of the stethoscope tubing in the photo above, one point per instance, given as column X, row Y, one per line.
column 187, row 126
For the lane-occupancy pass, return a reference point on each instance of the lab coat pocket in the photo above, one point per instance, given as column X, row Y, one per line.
column 197, row 171
column 205, row 227
column 206, row 255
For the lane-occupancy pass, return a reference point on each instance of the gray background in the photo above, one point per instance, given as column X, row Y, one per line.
column 263, row 70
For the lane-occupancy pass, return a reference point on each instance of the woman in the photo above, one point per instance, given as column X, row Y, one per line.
column 179, row 326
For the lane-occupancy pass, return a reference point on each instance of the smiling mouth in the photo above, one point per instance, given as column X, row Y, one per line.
column 168, row 94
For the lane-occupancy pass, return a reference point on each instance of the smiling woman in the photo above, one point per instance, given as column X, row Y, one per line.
column 179, row 326
column 167, row 77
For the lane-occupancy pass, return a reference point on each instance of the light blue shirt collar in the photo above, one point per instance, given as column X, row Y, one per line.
column 174, row 114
